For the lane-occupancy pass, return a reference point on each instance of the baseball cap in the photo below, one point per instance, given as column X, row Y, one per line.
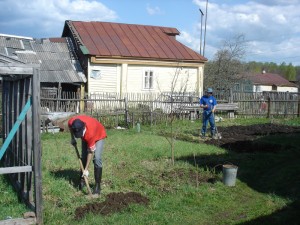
column 78, row 128
column 209, row 90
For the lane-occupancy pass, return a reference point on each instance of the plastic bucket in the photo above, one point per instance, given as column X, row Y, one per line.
column 229, row 174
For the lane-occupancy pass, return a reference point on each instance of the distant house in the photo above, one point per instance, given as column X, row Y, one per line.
column 127, row 58
column 265, row 82
column 59, row 67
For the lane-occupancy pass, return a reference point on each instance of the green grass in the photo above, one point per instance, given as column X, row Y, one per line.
column 267, row 189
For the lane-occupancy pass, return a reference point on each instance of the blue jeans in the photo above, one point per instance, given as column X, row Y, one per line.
column 98, row 153
column 208, row 116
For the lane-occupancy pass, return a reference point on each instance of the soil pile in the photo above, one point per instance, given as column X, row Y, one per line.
column 242, row 138
column 115, row 202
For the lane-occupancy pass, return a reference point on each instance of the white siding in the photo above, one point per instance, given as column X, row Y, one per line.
column 261, row 88
column 108, row 81
column 285, row 89
column 164, row 78
column 134, row 80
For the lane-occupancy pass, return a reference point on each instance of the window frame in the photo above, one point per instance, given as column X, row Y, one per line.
column 96, row 74
column 148, row 82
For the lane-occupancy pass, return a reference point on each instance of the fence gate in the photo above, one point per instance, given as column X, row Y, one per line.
column 20, row 153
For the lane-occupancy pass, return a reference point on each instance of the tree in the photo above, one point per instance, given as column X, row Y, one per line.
column 290, row 73
column 223, row 71
column 178, row 89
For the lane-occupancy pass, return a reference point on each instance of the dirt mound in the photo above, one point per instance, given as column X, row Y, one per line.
column 242, row 138
column 115, row 202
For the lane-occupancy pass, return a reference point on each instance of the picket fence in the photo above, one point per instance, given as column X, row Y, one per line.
column 153, row 107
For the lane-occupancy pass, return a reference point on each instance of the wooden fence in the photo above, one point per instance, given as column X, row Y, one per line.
column 20, row 153
column 151, row 108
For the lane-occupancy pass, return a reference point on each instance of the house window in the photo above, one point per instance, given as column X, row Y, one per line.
column 96, row 74
column 236, row 87
column 248, row 88
column 274, row 88
column 148, row 79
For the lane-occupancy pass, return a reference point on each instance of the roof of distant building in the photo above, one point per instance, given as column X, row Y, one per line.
column 269, row 79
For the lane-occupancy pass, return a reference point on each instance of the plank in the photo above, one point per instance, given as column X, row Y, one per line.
column 18, row 221
column 15, row 169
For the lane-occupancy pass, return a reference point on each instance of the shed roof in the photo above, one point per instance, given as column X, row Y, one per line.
column 270, row 79
column 58, row 62
column 118, row 40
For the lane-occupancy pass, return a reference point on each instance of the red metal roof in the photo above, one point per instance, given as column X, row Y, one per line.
column 58, row 40
column 104, row 39
column 270, row 79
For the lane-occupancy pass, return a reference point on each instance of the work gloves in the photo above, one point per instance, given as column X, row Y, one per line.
column 85, row 173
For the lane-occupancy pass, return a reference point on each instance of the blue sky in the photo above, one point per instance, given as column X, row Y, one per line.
column 271, row 27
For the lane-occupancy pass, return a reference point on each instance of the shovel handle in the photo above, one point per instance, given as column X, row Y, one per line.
column 82, row 169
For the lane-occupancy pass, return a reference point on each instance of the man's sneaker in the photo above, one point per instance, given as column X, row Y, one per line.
column 203, row 135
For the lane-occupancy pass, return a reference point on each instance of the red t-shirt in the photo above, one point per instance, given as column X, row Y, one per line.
column 94, row 132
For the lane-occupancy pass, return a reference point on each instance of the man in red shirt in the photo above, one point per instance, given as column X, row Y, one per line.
column 92, row 134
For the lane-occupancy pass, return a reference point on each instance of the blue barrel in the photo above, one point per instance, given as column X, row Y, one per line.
column 229, row 174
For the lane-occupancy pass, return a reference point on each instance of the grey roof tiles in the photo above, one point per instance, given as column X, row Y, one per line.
column 57, row 60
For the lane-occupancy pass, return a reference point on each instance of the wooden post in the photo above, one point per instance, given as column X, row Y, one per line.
column 298, row 113
column 133, row 122
column 269, row 107
column 230, row 100
column 82, row 106
column 37, row 145
column 58, row 97
column 126, row 111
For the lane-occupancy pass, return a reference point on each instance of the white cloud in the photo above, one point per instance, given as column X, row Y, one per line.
column 47, row 17
column 153, row 10
column 277, row 2
column 268, row 26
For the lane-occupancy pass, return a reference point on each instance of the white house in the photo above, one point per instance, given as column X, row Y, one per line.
column 128, row 58
column 266, row 82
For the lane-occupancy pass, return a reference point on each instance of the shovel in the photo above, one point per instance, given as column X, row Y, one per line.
column 82, row 169
column 217, row 134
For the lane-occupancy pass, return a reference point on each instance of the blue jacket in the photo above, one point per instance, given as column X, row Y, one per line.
column 208, row 100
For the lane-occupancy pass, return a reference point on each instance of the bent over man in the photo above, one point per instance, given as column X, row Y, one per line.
column 92, row 134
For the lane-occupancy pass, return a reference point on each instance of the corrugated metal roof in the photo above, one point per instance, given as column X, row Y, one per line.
column 28, row 57
column 104, row 39
column 11, row 42
column 66, row 76
column 7, row 59
column 270, row 79
column 58, row 63
column 2, row 50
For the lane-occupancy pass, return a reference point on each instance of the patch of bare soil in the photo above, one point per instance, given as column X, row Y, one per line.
column 115, row 202
column 190, row 176
column 241, row 138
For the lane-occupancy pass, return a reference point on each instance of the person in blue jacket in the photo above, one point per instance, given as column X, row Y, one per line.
column 208, row 103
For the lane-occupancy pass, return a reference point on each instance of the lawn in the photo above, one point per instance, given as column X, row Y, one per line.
column 191, row 191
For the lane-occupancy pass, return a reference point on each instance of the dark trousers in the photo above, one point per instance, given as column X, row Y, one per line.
column 208, row 116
